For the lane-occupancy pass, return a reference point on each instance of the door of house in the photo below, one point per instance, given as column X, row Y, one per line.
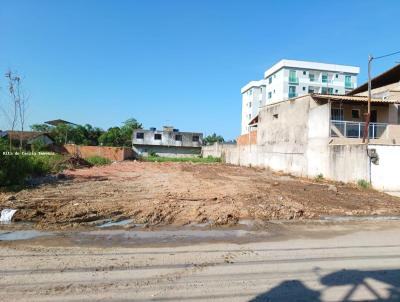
column 374, row 116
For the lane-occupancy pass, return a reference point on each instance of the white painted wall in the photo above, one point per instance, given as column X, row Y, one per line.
column 386, row 175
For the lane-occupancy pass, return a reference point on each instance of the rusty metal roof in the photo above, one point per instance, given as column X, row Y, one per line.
column 352, row 98
column 58, row 122
column 254, row 121
column 386, row 78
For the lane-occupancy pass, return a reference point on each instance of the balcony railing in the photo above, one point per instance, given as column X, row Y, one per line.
column 356, row 129
column 293, row 80
column 292, row 95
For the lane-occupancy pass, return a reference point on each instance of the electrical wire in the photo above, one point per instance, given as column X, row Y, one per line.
column 388, row 55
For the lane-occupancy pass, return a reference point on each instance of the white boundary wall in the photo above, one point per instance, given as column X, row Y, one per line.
column 386, row 175
column 347, row 163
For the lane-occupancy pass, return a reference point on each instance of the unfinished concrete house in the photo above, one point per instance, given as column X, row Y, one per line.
column 320, row 134
column 168, row 142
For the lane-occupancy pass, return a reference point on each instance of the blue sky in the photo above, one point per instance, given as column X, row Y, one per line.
column 176, row 62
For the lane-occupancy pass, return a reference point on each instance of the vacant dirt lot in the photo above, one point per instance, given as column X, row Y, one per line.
column 184, row 193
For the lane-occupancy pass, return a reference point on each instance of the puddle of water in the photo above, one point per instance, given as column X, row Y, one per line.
column 116, row 223
column 166, row 235
column 247, row 222
column 135, row 237
column 22, row 235
column 359, row 218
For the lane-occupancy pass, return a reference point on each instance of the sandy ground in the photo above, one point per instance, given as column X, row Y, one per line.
column 333, row 262
column 185, row 193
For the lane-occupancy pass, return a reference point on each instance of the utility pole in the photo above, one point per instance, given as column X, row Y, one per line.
column 368, row 115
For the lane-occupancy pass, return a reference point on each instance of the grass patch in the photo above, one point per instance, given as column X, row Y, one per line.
column 16, row 169
column 208, row 159
column 98, row 161
column 362, row 183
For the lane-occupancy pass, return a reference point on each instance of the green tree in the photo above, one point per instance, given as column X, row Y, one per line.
column 127, row 129
column 112, row 137
column 213, row 138
column 92, row 135
column 41, row 127
column 64, row 133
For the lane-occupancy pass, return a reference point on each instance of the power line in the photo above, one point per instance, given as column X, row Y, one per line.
column 388, row 55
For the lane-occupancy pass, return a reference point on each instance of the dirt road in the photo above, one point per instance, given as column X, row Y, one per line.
column 356, row 262
column 184, row 193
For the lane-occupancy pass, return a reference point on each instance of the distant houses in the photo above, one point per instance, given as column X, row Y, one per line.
column 169, row 142
column 28, row 138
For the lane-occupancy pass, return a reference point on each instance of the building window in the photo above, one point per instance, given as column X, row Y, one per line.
column 311, row 90
column 324, row 78
column 270, row 80
column 292, row 92
column 250, row 105
column 355, row 113
column 275, row 116
column 311, row 77
column 326, row 90
column 250, row 92
column 337, row 76
column 304, row 88
column 347, row 82
column 249, row 116
column 157, row 136
column 195, row 138
column 269, row 94
column 304, row 72
column 140, row 135
column 336, row 91
column 293, row 77
column 178, row 137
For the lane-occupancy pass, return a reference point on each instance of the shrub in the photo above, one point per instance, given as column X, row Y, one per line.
column 319, row 177
column 153, row 154
column 98, row 161
column 15, row 168
column 363, row 184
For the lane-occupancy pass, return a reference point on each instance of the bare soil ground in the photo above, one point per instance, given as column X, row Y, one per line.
column 185, row 193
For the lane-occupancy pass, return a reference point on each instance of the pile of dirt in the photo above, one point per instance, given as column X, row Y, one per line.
column 186, row 193
column 73, row 162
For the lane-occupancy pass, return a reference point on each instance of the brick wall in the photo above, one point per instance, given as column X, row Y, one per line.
column 244, row 139
column 112, row 153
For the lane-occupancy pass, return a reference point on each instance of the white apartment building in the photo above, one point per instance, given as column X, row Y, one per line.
column 289, row 79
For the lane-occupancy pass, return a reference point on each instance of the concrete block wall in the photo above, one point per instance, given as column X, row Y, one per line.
column 112, row 153
column 216, row 150
column 248, row 138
